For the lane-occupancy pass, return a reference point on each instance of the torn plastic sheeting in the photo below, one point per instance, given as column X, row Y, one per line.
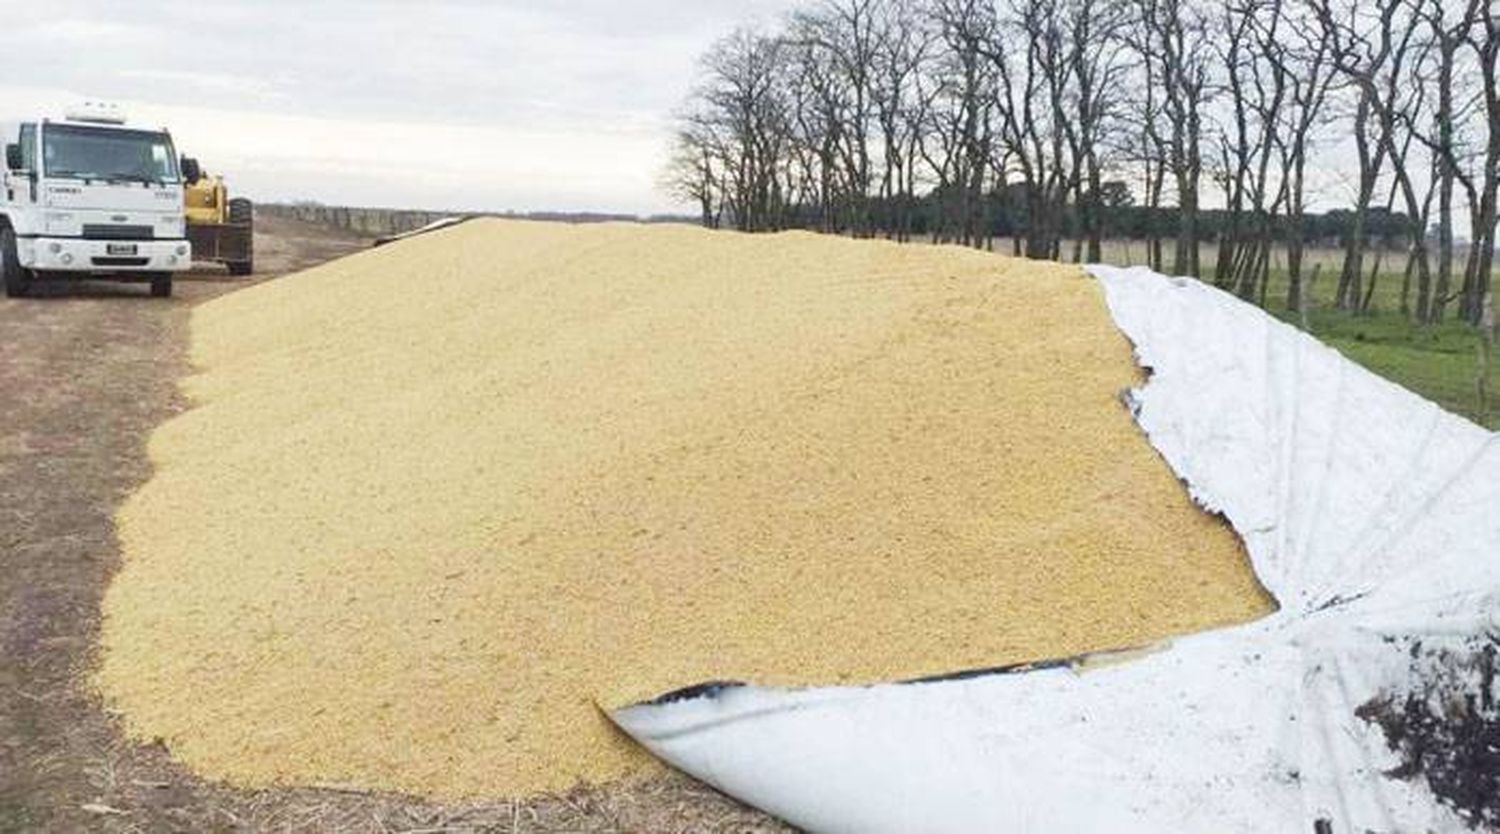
column 1366, row 702
column 440, row 223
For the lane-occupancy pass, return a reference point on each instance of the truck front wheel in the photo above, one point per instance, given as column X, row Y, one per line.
column 17, row 278
column 161, row 285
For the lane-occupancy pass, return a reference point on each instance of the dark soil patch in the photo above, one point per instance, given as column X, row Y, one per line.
column 1446, row 728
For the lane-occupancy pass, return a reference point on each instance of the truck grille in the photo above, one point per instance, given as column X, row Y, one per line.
column 113, row 231
column 120, row 261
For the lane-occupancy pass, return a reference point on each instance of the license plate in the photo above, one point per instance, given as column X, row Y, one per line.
column 120, row 248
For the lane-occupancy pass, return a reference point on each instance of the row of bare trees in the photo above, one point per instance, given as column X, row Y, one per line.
column 854, row 113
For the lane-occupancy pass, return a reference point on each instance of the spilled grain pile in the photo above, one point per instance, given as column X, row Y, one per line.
column 436, row 500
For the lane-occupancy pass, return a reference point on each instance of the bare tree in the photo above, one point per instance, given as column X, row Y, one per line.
column 1145, row 144
column 1369, row 41
column 743, row 100
column 1174, row 38
column 903, row 48
column 1257, row 88
column 1439, row 70
column 1304, row 64
column 1098, row 61
column 695, row 170
column 1404, row 102
column 961, row 112
column 840, row 38
column 818, row 108
column 1033, row 82
column 1484, row 39
column 963, row 117
column 1395, row 103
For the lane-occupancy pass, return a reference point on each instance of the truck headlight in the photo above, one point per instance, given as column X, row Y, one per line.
column 54, row 247
column 67, row 259
column 182, row 249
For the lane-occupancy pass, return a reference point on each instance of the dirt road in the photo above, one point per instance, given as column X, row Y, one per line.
column 86, row 371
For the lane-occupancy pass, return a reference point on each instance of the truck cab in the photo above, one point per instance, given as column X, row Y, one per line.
column 90, row 197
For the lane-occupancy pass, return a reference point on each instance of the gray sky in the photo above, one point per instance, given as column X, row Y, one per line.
column 453, row 104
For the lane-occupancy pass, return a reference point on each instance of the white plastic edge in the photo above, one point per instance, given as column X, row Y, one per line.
column 1367, row 511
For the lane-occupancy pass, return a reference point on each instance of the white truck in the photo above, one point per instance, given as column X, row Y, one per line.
column 90, row 197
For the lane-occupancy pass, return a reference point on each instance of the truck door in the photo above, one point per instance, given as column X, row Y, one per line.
column 22, row 188
column 29, row 159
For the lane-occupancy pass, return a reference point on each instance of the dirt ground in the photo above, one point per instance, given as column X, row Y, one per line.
column 86, row 371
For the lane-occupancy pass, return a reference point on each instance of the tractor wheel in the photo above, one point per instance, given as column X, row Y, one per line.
column 17, row 278
column 241, row 211
column 161, row 285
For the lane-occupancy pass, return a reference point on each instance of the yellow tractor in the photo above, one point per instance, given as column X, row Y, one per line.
column 220, row 229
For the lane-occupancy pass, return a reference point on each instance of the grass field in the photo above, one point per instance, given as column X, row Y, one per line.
column 1440, row 362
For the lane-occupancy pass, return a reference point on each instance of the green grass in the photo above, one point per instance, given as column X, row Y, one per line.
column 1439, row 362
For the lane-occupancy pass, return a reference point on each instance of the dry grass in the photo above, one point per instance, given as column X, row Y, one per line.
column 437, row 500
column 124, row 803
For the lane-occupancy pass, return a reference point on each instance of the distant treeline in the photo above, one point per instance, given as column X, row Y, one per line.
column 964, row 119
column 1005, row 216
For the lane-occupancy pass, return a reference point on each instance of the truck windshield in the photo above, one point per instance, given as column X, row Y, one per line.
column 70, row 151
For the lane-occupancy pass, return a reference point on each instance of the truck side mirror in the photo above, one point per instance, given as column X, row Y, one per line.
column 190, row 170
column 13, row 161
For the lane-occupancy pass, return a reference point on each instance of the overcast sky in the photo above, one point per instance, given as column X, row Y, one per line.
column 462, row 104
column 454, row 104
